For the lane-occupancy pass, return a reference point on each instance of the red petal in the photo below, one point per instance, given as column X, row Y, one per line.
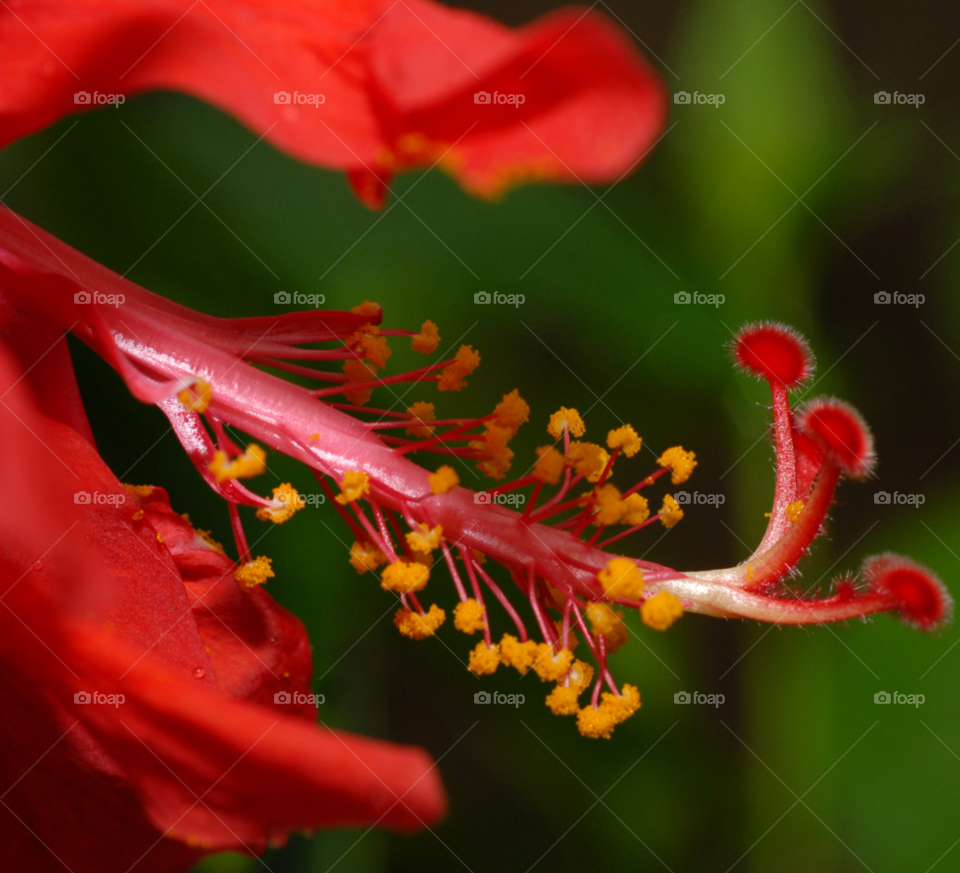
column 397, row 81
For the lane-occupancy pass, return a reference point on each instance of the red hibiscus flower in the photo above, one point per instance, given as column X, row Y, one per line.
column 200, row 371
column 370, row 87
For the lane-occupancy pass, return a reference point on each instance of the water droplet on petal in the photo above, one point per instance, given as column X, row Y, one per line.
column 199, row 672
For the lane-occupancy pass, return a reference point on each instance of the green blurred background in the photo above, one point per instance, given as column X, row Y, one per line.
column 798, row 769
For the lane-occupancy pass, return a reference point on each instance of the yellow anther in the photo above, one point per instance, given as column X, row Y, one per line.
column 670, row 512
column 375, row 349
column 444, row 480
column 563, row 700
column 355, row 484
column 680, row 462
column 359, row 371
column 139, row 492
column 404, row 577
column 253, row 573
column 566, row 420
column 636, row 510
column 421, row 413
column 588, row 459
column 197, row 397
column 367, row 309
column 287, row 501
column 484, row 659
column 364, row 557
column 424, row 539
column 469, row 616
column 493, row 444
column 621, row 579
column 581, row 675
column 613, row 710
column 419, row 627
column 607, row 624
column 624, row 438
column 208, row 540
column 518, row 655
column 452, row 376
column 549, row 466
column 428, row 339
column 552, row 666
column 794, row 510
column 661, row 610
column 251, row 463
column 596, row 723
column 609, row 506
column 571, row 641
column 511, row 412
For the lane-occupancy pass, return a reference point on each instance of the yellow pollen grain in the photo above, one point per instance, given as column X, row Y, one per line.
column 425, row 539
column 251, row 463
column 444, row 480
column 607, row 624
column 287, row 501
column 254, row 573
column 621, row 579
column 314, row 436
column 636, row 510
column 469, row 616
column 549, row 466
column 428, row 339
column 794, row 511
column 355, row 484
column 681, row 462
column 670, row 512
column 421, row 413
column 484, row 659
column 359, row 371
column 518, row 655
column 661, row 610
column 197, row 397
column 608, row 507
column 626, row 439
column 563, row 700
column 464, row 363
column 206, row 537
column 139, row 492
column 367, row 309
column 404, row 577
column 138, row 515
column 511, row 412
column 366, row 557
column 566, row 420
column 419, row 627
column 552, row 666
column 588, row 459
